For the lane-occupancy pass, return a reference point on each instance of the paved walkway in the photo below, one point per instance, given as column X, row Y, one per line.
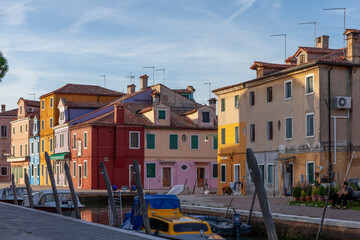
column 277, row 205
column 19, row 223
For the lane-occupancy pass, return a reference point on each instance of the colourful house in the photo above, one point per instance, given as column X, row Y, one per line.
column 34, row 145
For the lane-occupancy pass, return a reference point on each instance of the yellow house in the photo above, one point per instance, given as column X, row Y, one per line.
column 283, row 116
column 49, row 114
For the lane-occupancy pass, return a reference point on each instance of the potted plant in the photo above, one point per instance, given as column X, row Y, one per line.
column 321, row 196
column 226, row 190
column 308, row 194
column 315, row 193
column 303, row 196
column 296, row 193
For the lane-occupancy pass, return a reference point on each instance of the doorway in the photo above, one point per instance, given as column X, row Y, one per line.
column 289, row 178
column 237, row 173
column 200, row 177
column 57, row 174
column 79, row 176
column 46, row 176
column 166, row 176
column 35, row 175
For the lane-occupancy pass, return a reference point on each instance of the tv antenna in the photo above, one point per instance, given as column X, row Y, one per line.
column 153, row 68
column 131, row 77
column 314, row 30
column 327, row 9
column 32, row 94
column 209, row 83
column 163, row 70
column 278, row 35
column 104, row 76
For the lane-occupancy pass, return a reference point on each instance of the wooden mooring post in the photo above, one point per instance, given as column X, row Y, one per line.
column 14, row 189
column 140, row 193
column 261, row 193
column 227, row 210
column 29, row 191
column 251, row 208
column 110, row 194
column 72, row 191
column 53, row 185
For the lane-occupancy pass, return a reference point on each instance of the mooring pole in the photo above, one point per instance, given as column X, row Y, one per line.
column 53, row 185
column 325, row 207
column 72, row 191
column 29, row 191
column 261, row 193
column 227, row 210
column 14, row 189
column 110, row 194
column 140, row 193
column 251, row 208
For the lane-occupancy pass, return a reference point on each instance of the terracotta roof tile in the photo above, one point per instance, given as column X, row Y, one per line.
column 73, row 104
column 84, row 90
column 266, row 65
column 32, row 103
column 10, row 113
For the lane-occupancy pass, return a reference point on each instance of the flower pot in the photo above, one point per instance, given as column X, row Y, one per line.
column 296, row 198
column 308, row 198
column 314, row 198
column 321, row 198
column 303, row 199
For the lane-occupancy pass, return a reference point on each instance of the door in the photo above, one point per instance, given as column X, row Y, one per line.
column 46, row 176
column 35, row 175
column 166, row 176
column 289, row 169
column 79, row 176
column 237, row 172
column 57, row 174
column 200, row 177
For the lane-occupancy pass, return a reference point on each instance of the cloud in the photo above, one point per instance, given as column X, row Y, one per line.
column 243, row 6
column 14, row 14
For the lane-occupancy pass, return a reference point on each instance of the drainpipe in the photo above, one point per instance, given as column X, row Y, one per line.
column 329, row 122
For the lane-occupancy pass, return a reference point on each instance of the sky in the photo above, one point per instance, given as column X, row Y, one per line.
column 51, row 43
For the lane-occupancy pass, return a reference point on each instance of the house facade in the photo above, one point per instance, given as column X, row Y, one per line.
column 34, row 145
column 283, row 116
column 5, row 141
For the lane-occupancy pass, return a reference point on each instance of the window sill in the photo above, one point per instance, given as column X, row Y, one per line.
column 308, row 94
column 286, row 99
column 288, row 139
column 312, row 136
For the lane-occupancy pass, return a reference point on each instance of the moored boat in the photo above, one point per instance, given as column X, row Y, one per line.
column 7, row 194
column 44, row 200
column 167, row 220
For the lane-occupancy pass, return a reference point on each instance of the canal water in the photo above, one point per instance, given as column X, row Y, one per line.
column 99, row 214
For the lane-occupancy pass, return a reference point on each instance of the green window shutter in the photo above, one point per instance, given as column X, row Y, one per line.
column 162, row 114
column 310, row 173
column 223, row 173
column 215, row 170
column 215, row 142
column 173, row 141
column 150, row 170
column 194, row 142
column 150, row 141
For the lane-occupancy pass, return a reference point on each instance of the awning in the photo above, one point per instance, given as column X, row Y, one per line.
column 17, row 159
column 286, row 157
column 59, row 156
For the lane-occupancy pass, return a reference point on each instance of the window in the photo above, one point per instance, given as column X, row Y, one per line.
column 42, row 104
column 35, row 126
column 26, row 127
column 26, row 149
column 51, row 122
column 21, row 129
column 252, row 98
column 289, row 131
column 32, row 147
column 51, row 102
column 161, row 114
column 302, row 58
column 223, row 136
column 150, row 170
column 42, row 124
column 20, row 109
column 309, row 84
column 134, row 140
column 74, row 169
column 42, row 145
column 252, row 132
column 310, row 124
column 223, row 104
column 85, row 140
column 14, row 151
column 51, row 144
column 42, row 169
column 205, row 117
column 159, row 225
column 184, row 167
column 150, row 141
column 74, row 141
column 13, row 130
column 237, row 140
column 270, row 173
column 262, row 172
column 194, row 141
column 38, row 147
column 269, row 94
column 4, row 171
column 85, row 169
column 62, row 115
column 310, row 172
column 32, row 170
column 3, row 131
column 21, row 152
column 269, row 130
column 215, row 170
column 288, row 89
column 236, row 104
column 173, row 141
column 223, row 173
column 215, row 142
column 62, row 140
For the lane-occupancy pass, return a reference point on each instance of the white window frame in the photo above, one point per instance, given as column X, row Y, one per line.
column 191, row 141
column 74, row 142
column 51, row 102
column 130, row 132
column 307, row 76
column 221, row 173
column 292, row 128
column 74, row 169
column 43, row 104
column 237, row 134
column 85, row 140
column 222, row 137
column 42, row 124
column 306, row 126
column 292, row 93
column 202, row 118
column 307, row 176
column 85, row 164
column 51, row 122
column 42, row 145
column 162, row 109
column 235, row 165
column 212, row 170
column 267, row 173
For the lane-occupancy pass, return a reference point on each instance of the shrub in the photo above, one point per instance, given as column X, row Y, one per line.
column 296, row 191
column 308, row 191
column 322, row 191
column 315, row 191
column 303, row 194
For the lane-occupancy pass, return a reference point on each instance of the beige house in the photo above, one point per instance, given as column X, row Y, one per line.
column 284, row 117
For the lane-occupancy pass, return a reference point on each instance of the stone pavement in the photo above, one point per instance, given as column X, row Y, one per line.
column 20, row 223
column 277, row 205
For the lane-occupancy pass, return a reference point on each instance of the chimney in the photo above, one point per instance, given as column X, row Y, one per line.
column 353, row 45
column 119, row 114
column 3, row 107
column 131, row 88
column 322, row 42
column 156, row 97
column 212, row 103
column 144, row 82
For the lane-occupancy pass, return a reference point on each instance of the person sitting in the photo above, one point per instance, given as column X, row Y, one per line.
column 345, row 194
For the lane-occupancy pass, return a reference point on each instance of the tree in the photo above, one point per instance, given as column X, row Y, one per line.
column 4, row 67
